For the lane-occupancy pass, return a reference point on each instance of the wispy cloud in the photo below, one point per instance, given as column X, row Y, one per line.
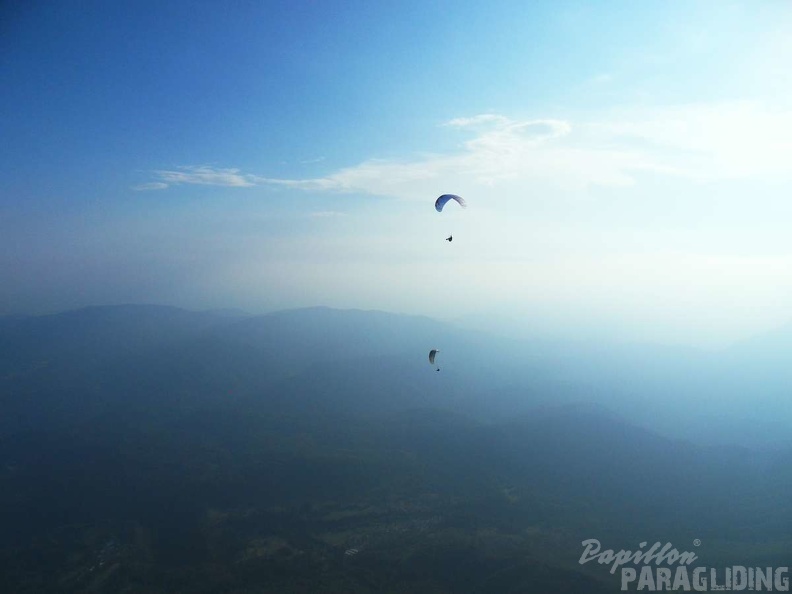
column 497, row 126
column 200, row 175
column 484, row 118
column 500, row 151
column 147, row 187
column 704, row 142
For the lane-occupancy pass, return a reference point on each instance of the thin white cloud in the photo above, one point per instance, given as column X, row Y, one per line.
column 208, row 176
column 501, row 152
column 150, row 186
column 701, row 142
column 484, row 118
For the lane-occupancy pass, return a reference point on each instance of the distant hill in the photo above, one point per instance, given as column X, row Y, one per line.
column 66, row 368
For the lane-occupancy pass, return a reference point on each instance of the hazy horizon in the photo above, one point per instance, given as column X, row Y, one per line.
column 732, row 396
column 560, row 329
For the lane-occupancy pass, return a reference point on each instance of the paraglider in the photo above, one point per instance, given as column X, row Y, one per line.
column 442, row 200
column 432, row 355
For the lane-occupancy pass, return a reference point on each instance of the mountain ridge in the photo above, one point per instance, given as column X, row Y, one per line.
column 136, row 353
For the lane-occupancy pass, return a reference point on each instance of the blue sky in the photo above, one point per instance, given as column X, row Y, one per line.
column 627, row 164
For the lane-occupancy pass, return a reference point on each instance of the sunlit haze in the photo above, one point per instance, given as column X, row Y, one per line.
column 626, row 164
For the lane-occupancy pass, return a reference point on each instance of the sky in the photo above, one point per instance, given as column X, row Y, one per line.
column 627, row 165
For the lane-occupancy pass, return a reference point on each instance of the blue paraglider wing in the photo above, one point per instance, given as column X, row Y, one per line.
column 441, row 201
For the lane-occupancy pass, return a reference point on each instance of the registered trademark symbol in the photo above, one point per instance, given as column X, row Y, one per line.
column 697, row 543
